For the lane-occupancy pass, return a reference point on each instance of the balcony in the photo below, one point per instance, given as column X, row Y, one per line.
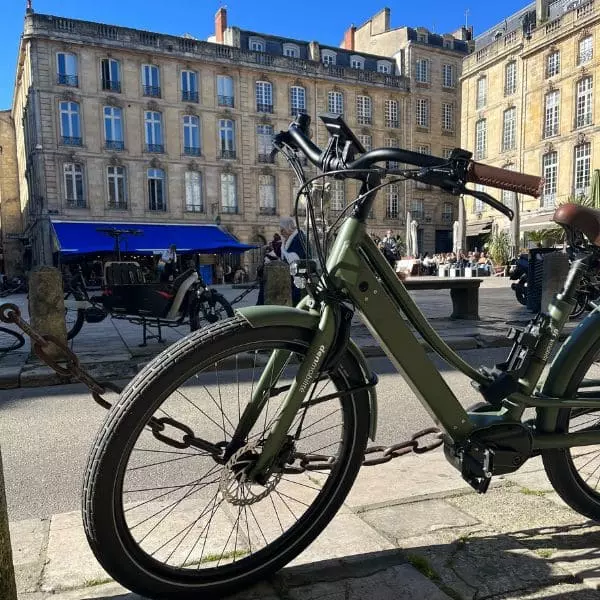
column 230, row 210
column 118, row 205
column 189, row 96
column 227, row 154
column 225, row 101
column 264, row 108
column 195, row 208
column 392, row 214
column 70, row 80
column 267, row 210
column 152, row 91
column 70, row 141
column 116, row 145
column 266, row 158
column 111, row 86
column 191, row 151
column 364, row 119
column 155, row 148
column 76, row 203
column 392, row 123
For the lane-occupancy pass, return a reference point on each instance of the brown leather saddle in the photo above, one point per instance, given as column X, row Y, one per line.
column 580, row 218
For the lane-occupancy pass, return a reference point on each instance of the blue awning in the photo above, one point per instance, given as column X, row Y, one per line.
column 81, row 237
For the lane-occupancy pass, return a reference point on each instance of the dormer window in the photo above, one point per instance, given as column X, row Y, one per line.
column 422, row 37
column 357, row 62
column 291, row 50
column 384, row 66
column 256, row 44
column 328, row 57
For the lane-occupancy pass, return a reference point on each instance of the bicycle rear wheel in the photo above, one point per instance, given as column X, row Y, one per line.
column 10, row 340
column 174, row 523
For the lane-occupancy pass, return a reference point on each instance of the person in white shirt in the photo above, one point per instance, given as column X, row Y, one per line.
column 294, row 248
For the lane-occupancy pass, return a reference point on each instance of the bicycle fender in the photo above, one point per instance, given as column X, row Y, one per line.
column 272, row 316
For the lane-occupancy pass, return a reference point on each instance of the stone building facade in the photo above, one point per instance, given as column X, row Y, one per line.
column 529, row 103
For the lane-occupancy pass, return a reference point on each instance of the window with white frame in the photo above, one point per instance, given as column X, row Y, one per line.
column 225, row 95
column 509, row 198
column 481, row 92
column 357, row 62
column 551, row 113
column 116, row 183
column 583, row 154
column 194, row 199
column 424, row 148
column 338, row 196
column 297, row 100
column 509, row 129
column 422, row 112
column 264, row 96
column 478, row 204
column 584, row 102
column 383, row 66
column 510, row 78
column 113, row 128
column 447, row 116
column 266, row 194
column 416, row 209
column 157, row 200
column 256, row 44
column 189, row 86
column 366, row 141
column 328, row 57
column 448, row 76
column 392, row 201
column 480, row 139
column 66, row 69
column 291, row 50
column 227, row 138
column 363, row 110
column 151, row 81
column 191, row 135
column 550, row 175
column 264, row 139
column 153, row 131
column 392, row 113
column 70, row 125
column 447, row 151
column 553, row 64
column 391, row 143
column 448, row 212
column 229, row 200
column 586, row 50
column 335, row 102
column 73, row 185
column 422, row 70
column 111, row 74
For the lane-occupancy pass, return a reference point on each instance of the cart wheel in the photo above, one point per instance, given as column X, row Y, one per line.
column 212, row 307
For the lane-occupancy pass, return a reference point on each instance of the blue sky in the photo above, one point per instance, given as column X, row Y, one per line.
column 308, row 19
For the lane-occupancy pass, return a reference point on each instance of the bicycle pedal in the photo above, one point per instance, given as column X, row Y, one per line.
column 477, row 465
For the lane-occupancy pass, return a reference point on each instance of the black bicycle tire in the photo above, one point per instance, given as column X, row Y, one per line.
column 79, row 321
column 521, row 294
column 195, row 321
column 20, row 340
column 580, row 307
column 101, row 474
column 558, row 464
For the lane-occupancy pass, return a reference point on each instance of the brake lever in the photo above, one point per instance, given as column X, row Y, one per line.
column 489, row 200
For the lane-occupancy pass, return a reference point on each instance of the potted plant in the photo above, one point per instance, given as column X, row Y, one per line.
column 499, row 248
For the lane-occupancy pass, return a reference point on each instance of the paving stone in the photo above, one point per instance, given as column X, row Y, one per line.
column 562, row 591
column 28, row 541
column 9, row 377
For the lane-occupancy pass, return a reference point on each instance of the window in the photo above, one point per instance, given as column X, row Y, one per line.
column 422, row 70
column 113, row 128
column 480, row 139
column 392, row 114
column 153, row 129
column 189, row 86
column 584, row 102
column 291, row 50
column 328, row 57
column 550, row 174
column 227, row 138
column 357, row 62
column 448, row 213
column 156, row 190
column 478, row 204
column 509, row 129
column 229, row 203
column 392, row 201
column 194, row 200
column 383, row 66
column 256, row 44
column 264, row 97
column 509, row 198
column 266, row 195
column 582, row 168
column 586, row 50
column 366, row 141
column 70, row 127
column 447, row 151
column 448, row 76
column 553, row 64
column 264, row 138
column 551, row 113
column 510, row 78
column 338, row 196
column 391, row 143
column 422, row 37
column 66, row 69
column 73, row 182
column 151, row 81
column 422, row 112
column 191, row 135
column 111, row 75
column 225, row 90
column 481, row 92
column 335, row 102
column 297, row 100
column 116, row 178
column 363, row 110
column 424, row 148
column 447, row 116
column 416, row 209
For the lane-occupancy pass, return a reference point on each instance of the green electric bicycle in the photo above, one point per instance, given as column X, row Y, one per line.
column 230, row 452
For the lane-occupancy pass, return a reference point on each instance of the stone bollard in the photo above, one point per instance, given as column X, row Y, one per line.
column 8, row 588
column 278, row 284
column 47, row 305
column 554, row 273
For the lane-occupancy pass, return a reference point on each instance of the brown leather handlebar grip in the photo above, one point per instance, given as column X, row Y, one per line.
column 503, row 179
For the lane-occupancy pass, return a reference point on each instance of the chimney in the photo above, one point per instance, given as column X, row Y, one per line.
column 541, row 10
column 348, row 42
column 220, row 24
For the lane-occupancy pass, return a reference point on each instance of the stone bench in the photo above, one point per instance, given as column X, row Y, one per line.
column 464, row 293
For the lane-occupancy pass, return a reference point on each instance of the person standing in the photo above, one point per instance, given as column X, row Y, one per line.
column 390, row 248
column 168, row 262
column 293, row 248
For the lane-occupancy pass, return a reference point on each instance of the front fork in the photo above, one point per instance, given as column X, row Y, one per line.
column 308, row 373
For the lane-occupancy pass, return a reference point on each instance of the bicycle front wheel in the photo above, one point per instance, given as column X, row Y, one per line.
column 175, row 523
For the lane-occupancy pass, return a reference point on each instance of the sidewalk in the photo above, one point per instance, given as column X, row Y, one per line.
column 110, row 349
column 409, row 530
